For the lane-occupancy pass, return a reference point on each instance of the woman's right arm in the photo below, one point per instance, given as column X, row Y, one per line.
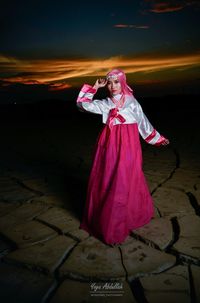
column 85, row 98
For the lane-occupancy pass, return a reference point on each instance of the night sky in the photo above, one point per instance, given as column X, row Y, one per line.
column 50, row 48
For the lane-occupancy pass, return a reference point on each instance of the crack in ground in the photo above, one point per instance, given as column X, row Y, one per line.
column 11, row 246
column 177, row 166
column 57, row 277
column 138, row 291
column 192, row 287
column 123, row 265
column 194, row 203
column 158, row 211
column 176, row 230
column 37, row 192
column 176, row 233
column 58, row 230
column 147, row 242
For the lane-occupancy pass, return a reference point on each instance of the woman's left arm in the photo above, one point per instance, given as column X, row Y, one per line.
column 146, row 130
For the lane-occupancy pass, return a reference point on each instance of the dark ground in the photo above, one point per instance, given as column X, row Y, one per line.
column 53, row 141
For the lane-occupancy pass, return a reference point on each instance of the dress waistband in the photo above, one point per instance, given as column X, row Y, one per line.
column 114, row 114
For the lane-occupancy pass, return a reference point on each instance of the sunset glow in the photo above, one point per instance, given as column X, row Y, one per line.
column 49, row 50
column 55, row 71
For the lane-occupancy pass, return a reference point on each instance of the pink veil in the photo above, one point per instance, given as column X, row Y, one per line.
column 120, row 75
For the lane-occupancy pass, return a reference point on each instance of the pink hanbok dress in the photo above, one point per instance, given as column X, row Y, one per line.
column 118, row 199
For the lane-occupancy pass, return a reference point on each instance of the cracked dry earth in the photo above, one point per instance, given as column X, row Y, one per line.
column 45, row 257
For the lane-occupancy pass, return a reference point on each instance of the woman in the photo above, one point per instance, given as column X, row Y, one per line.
column 118, row 199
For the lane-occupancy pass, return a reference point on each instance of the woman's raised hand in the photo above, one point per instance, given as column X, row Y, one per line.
column 100, row 83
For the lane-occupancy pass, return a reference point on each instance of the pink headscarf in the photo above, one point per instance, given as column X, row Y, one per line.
column 120, row 75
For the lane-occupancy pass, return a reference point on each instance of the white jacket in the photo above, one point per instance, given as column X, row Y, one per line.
column 131, row 111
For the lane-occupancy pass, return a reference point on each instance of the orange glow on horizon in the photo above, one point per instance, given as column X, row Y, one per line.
column 57, row 72
column 131, row 26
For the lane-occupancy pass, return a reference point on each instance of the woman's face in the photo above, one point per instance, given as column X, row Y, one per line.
column 114, row 86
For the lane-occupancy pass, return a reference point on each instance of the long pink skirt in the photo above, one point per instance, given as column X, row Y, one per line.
column 118, row 199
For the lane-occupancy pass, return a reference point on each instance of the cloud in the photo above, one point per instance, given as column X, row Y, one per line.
column 58, row 86
column 60, row 74
column 131, row 26
column 8, row 81
column 157, row 6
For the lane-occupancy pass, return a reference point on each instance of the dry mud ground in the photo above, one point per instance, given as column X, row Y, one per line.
column 45, row 257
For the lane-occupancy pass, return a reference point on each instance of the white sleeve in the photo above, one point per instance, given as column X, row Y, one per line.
column 85, row 100
column 146, row 130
